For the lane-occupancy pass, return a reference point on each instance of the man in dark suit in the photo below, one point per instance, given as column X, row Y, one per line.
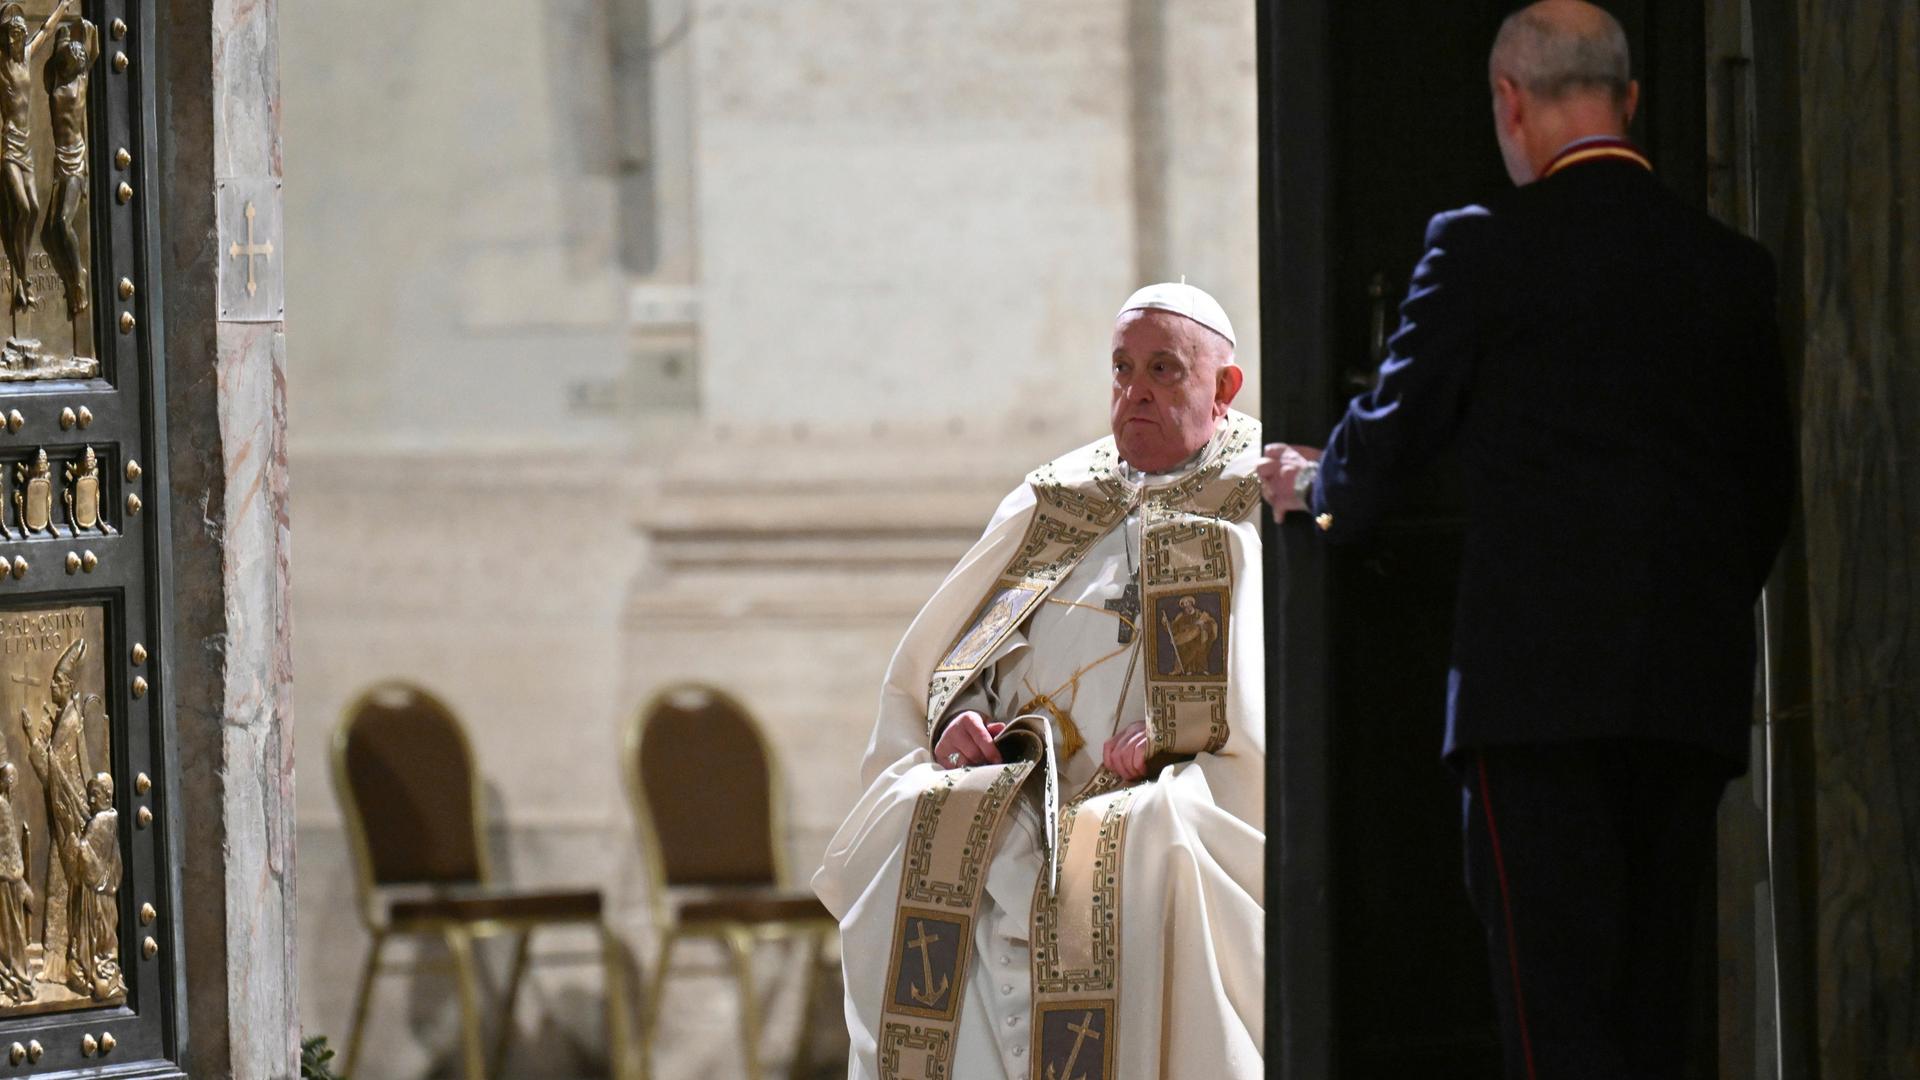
column 1606, row 360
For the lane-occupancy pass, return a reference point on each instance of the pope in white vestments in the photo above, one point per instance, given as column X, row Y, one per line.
column 1055, row 870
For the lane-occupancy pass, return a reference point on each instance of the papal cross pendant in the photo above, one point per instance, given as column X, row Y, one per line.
column 1127, row 606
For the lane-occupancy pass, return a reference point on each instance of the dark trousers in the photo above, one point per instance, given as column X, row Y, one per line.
column 1585, row 863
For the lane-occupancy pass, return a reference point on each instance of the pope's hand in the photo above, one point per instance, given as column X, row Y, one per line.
column 1279, row 470
column 1125, row 755
column 968, row 740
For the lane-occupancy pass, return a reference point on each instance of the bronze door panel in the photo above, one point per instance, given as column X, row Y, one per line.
column 89, row 913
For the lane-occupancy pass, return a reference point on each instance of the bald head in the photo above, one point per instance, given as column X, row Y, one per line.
column 1559, row 47
column 1560, row 72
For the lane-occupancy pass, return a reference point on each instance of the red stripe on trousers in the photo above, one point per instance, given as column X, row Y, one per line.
column 1506, row 908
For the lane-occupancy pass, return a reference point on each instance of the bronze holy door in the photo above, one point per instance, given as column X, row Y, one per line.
column 89, row 973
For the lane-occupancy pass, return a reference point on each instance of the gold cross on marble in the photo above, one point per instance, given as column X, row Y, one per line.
column 251, row 251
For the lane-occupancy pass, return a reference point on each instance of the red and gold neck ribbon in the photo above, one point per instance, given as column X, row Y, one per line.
column 1595, row 150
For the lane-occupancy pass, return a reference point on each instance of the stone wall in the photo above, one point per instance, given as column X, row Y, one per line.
column 1860, row 89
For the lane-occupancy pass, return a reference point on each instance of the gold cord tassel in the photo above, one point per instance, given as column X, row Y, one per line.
column 1071, row 741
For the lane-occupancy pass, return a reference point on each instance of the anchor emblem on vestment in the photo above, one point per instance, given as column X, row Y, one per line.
column 1081, row 1034
column 926, row 993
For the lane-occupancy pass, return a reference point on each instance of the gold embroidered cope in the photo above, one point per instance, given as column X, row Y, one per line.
column 1185, row 581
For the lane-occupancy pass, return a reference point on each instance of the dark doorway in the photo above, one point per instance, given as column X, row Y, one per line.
column 1376, row 116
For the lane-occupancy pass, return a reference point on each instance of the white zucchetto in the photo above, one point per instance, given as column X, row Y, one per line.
column 1183, row 299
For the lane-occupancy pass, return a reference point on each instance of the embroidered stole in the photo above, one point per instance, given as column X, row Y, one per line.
column 1186, row 589
column 949, row 841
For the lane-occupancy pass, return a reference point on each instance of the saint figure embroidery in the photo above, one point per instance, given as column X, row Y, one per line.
column 1190, row 635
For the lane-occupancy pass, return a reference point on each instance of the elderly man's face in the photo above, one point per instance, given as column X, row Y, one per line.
column 1171, row 386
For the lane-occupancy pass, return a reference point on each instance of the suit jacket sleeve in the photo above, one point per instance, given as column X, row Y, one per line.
column 1417, row 403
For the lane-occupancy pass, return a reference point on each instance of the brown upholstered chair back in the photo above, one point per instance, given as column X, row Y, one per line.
column 706, row 782
column 406, row 778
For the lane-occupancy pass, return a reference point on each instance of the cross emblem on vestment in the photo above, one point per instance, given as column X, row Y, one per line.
column 1127, row 606
column 250, row 251
column 1081, row 1033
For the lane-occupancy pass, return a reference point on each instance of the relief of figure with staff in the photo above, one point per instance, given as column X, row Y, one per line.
column 57, row 750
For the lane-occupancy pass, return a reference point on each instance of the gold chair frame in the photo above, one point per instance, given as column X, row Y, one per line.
column 458, row 934
column 738, row 937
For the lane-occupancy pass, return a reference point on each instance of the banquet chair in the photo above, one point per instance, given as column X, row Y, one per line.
column 411, row 797
column 708, row 810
